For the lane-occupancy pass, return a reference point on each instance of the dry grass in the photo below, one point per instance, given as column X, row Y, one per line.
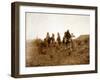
column 38, row 54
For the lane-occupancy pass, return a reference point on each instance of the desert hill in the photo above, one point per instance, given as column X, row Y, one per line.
column 37, row 54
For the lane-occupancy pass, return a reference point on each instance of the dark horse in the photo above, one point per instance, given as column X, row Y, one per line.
column 67, row 39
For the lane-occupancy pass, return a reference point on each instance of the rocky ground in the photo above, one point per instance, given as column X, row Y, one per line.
column 39, row 55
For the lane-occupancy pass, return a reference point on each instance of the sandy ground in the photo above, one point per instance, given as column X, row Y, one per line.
column 37, row 55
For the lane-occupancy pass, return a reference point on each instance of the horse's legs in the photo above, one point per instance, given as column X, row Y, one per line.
column 71, row 45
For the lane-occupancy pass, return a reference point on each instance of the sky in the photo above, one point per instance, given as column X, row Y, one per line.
column 38, row 24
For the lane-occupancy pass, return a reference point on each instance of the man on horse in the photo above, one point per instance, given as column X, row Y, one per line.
column 58, row 39
column 67, row 37
column 47, row 39
column 52, row 39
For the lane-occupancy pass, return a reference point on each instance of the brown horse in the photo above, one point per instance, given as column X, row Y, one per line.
column 67, row 39
column 58, row 39
column 47, row 39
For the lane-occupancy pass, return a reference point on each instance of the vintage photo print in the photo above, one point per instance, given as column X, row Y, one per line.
column 53, row 39
column 57, row 39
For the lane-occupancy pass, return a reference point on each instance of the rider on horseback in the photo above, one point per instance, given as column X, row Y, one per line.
column 67, row 37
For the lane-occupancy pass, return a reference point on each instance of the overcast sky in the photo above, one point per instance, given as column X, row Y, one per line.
column 38, row 24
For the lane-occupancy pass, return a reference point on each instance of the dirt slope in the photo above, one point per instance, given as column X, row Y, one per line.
column 39, row 55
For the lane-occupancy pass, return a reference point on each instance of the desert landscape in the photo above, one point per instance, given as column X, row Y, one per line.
column 38, row 54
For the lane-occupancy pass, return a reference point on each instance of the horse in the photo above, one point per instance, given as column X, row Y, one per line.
column 47, row 40
column 58, row 39
column 67, row 39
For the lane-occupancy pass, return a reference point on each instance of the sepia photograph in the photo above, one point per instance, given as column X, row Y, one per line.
column 53, row 39
column 57, row 39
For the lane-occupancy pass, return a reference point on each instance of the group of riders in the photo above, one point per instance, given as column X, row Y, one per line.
column 67, row 38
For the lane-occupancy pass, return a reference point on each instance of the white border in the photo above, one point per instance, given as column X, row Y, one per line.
column 52, row 69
